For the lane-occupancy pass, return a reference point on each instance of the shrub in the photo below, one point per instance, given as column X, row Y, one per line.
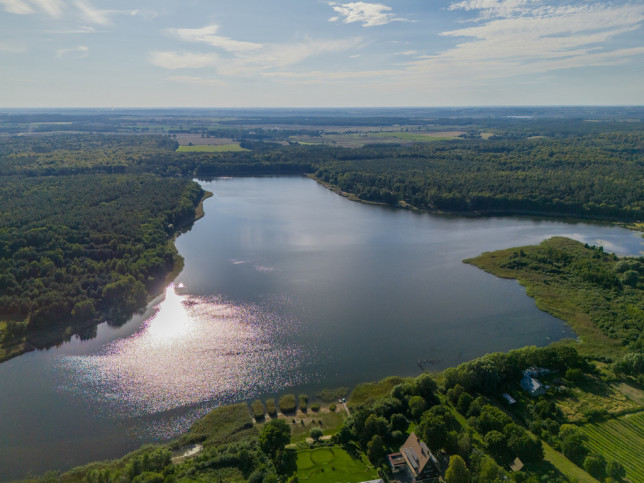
column 332, row 407
column 271, row 409
column 315, row 407
column 257, row 408
column 287, row 403
column 303, row 402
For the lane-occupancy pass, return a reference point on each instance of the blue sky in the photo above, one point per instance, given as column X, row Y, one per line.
column 309, row 53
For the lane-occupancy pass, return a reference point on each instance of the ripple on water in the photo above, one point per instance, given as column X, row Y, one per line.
column 192, row 350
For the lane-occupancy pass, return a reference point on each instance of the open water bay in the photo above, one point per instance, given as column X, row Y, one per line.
column 286, row 287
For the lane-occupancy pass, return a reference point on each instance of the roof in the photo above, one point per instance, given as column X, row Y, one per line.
column 509, row 398
column 417, row 454
column 516, row 465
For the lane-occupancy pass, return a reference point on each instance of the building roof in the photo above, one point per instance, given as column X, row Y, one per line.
column 417, row 455
column 509, row 398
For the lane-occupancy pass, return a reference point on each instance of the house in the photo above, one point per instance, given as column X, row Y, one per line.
column 416, row 458
column 531, row 385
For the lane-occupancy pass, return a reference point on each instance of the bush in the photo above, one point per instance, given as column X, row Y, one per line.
column 316, row 433
column 303, row 402
column 287, row 403
column 315, row 407
column 257, row 408
column 332, row 407
column 271, row 409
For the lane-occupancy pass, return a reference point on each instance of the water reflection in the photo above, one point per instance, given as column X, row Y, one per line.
column 191, row 350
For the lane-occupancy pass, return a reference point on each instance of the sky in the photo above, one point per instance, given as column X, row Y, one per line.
column 311, row 53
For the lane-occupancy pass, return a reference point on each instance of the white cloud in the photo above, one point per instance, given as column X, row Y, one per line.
column 97, row 16
column 79, row 52
column 369, row 14
column 207, row 35
column 519, row 37
column 26, row 7
column 245, row 58
column 52, row 7
column 182, row 60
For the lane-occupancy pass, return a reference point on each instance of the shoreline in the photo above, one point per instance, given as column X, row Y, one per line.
column 637, row 226
column 41, row 341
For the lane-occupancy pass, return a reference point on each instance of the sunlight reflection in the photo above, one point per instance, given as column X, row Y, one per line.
column 192, row 350
column 171, row 322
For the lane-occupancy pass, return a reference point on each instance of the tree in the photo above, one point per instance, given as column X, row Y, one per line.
column 398, row 422
column 595, row 464
column 615, row 470
column 416, row 406
column 457, row 471
column 497, row 445
column 275, row 435
column 374, row 425
column 375, row 450
column 572, row 442
column 316, row 434
column 434, row 430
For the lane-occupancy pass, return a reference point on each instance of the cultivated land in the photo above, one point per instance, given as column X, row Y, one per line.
column 211, row 148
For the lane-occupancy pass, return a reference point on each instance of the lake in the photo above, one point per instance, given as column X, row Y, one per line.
column 287, row 287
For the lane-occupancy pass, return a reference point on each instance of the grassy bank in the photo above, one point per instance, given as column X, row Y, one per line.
column 582, row 285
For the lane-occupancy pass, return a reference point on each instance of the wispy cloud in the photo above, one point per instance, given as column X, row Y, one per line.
column 368, row 14
column 12, row 48
column 243, row 58
column 79, row 52
column 183, row 60
column 195, row 80
column 520, row 37
column 207, row 35
column 25, row 7
column 97, row 16
column 321, row 76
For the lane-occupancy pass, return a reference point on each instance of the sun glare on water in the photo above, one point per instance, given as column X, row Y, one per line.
column 171, row 323
column 191, row 350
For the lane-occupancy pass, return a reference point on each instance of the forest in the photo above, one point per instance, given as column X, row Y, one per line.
column 76, row 250
column 87, row 216
column 90, row 205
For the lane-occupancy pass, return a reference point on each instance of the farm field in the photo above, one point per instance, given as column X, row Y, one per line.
column 332, row 463
column 358, row 140
column 620, row 439
column 210, row 148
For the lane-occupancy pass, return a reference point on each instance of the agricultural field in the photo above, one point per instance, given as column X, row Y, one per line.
column 332, row 463
column 360, row 139
column 620, row 439
column 593, row 396
column 211, row 148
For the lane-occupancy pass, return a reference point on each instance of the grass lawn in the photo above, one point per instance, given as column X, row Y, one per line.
column 218, row 148
column 565, row 466
column 332, row 463
column 331, row 421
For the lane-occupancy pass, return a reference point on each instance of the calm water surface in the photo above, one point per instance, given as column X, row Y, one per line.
column 286, row 286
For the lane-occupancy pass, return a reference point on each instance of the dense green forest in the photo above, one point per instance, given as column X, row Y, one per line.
column 77, row 249
column 588, row 176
